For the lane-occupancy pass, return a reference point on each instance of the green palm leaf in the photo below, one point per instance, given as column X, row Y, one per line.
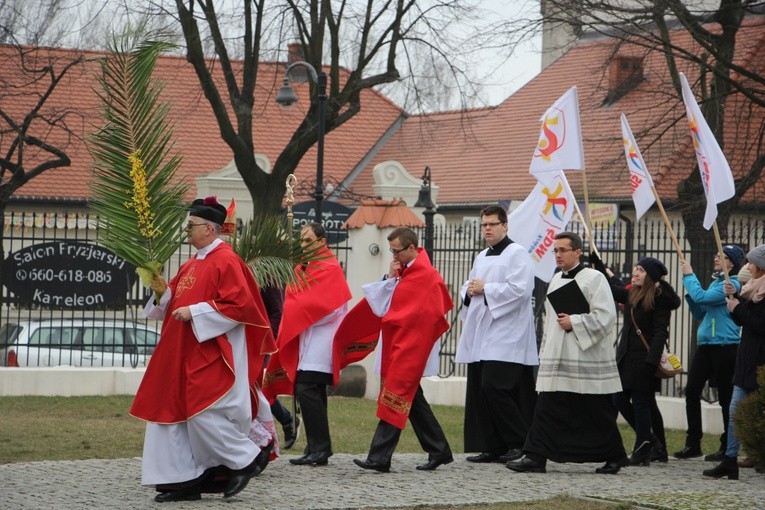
column 271, row 252
column 142, row 213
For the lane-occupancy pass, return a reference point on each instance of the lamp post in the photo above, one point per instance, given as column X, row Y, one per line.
column 287, row 97
column 424, row 200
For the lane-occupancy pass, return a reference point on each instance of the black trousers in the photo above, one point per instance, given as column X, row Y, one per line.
column 716, row 364
column 624, row 404
column 426, row 427
column 499, row 406
column 311, row 392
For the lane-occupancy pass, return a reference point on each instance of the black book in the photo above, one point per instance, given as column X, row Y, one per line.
column 569, row 299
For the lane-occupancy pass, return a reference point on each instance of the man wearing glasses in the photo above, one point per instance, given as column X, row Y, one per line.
column 716, row 344
column 196, row 393
column 314, row 306
column 498, row 343
column 575, row 419
column 406, row 312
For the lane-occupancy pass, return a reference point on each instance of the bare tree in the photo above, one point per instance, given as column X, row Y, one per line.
column 360, row 44
column 723, row 84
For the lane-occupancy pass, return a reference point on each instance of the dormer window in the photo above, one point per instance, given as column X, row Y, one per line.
column 624, row 74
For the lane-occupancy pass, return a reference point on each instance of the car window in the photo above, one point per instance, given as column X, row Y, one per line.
column 103, row 339
column 54, row 336
column 144, row 340
column 9, row 333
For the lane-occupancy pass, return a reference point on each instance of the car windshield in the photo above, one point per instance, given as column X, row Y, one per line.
column 9, row 333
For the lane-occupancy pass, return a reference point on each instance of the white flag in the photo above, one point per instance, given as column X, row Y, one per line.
column 715, row 171
column 543, row 215
column 560, row 138
column 640, row 178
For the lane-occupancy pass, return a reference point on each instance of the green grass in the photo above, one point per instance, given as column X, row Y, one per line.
column 74, row 428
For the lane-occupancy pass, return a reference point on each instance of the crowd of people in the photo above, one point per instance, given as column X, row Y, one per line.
column 229, row 348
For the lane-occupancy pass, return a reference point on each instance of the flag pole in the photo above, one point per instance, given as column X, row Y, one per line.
column 587, row 233
column 588, row 219
column 720, row 251
column 666, row 222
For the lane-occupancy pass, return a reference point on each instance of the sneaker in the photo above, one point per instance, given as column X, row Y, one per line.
column 717, row 456
column 688, row 452
column 291, row 433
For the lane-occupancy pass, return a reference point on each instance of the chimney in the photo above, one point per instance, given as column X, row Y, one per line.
column 294, row 52
column 624, row 74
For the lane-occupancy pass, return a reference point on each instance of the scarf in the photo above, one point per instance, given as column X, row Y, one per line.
column 754, row 290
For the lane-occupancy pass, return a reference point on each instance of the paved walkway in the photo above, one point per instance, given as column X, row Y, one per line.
column 103, row 484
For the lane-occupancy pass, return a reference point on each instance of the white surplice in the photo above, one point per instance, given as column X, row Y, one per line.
column 498, row 325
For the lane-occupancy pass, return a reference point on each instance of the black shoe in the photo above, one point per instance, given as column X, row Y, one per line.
column 612, row 467
column 240, row 478
column 291, row 433
column 659, row 452
column 642, row 455
column 728, row 467
column 484, row 458
column 312, row 459
column 526, row 466
column 511, row 455
column 717, row 456
column 370, row 464
column 688, row 452
column 433, row 464
column 264, row 457
column 180, row 495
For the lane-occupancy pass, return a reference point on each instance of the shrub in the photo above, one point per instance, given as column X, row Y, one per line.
column 750, row 419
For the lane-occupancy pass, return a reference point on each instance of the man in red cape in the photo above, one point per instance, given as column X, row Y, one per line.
column 197, row 395
column 408, row 308
column 313, row 309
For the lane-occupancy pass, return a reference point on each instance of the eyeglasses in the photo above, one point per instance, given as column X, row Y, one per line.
column 718, row 256
column 190, row 225
column 562, row 250
column 396, row 252
column 491, row 224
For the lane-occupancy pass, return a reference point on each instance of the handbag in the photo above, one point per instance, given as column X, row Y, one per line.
column 669, row 364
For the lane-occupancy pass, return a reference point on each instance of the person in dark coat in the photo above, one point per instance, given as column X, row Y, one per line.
column 648, row 304
column 748, row 311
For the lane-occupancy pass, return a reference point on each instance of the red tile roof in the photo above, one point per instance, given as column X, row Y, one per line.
column 196, row 131
column 482, row 156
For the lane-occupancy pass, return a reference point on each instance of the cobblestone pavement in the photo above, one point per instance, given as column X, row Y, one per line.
column 342, row 485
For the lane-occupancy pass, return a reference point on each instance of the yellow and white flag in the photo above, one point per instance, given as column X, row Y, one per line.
column 560, row 138
column 640, row 178
column 713, row 167
column 543, row 214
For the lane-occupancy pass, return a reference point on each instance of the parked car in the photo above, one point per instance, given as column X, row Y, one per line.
column 81, row 343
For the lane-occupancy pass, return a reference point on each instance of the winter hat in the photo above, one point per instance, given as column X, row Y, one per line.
column 757, row 256
column 208, row 209
column 655, row 268
column 735, row 254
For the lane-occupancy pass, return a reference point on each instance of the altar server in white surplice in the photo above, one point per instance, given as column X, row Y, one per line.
column 499, row 345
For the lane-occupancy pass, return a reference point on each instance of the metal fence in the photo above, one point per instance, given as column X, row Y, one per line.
column 87, row 313
column 621, row 245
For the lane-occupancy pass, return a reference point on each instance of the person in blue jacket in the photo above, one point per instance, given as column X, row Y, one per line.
column 716, row 345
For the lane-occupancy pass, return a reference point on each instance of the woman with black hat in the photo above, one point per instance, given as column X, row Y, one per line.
column 716, row 343
column 748, row 311
column 648, row 303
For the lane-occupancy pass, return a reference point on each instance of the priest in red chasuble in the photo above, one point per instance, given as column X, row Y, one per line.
column 198, row 394
column 313, row 309
column 405, row 311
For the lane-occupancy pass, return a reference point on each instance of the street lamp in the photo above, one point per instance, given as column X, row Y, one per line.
column 287, row 97
column 424, row 200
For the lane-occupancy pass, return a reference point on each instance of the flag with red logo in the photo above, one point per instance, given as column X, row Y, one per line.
column 713, row 167
column 640, row 178
column 560, row 138
column 544, row 214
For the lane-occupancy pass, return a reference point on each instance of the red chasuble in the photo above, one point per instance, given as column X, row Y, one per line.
column 324, row 291
column 412, row 325
column 185, row 376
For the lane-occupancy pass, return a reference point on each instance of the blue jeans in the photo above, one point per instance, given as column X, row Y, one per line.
column 734, row 444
